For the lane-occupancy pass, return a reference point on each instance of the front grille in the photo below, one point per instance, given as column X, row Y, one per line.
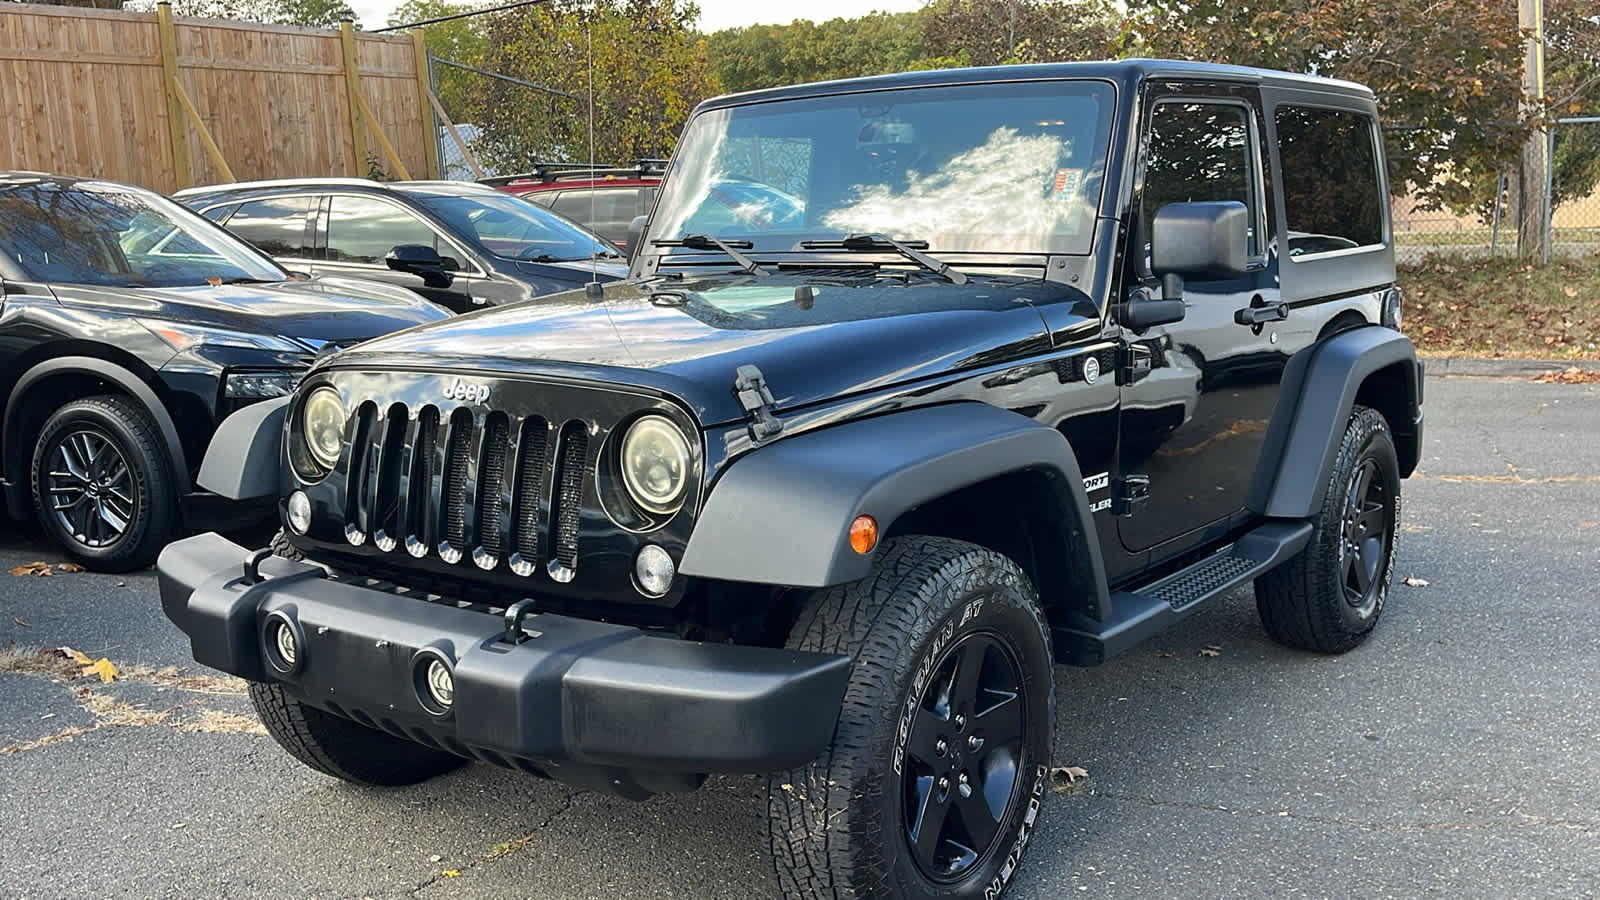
column 468, row 487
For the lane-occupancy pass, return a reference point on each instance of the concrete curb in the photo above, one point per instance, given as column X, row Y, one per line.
column 1503, row 368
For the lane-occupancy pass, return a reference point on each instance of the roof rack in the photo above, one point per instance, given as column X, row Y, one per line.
column 557, row 171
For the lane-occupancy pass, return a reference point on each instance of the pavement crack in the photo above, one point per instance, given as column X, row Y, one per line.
column 1523, row 820
column 506, row 848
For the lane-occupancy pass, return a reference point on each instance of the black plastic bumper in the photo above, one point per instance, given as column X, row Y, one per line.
column 572, row 693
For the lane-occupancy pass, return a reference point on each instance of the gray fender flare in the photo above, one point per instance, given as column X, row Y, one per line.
column 16, row 455
column 1318, row 391
column 781, row 513
column 242, row 461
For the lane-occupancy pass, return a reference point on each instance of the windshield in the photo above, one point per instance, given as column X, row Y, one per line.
column 88, row 234
column 1014, row 167
column 516, row 229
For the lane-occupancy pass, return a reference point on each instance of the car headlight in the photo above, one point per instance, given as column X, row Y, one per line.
column 182, row 335
column 322, row 426
column 260, row 385
column 655, row 464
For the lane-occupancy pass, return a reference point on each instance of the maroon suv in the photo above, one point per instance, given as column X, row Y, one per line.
column 603, row 198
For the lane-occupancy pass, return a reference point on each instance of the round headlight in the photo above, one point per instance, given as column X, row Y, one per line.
column 322, row 424
column 655, row 464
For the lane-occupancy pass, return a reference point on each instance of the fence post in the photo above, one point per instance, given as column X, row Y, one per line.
column 169, row 70
column 1549, row 190
column 430, row 141
column 352, row 84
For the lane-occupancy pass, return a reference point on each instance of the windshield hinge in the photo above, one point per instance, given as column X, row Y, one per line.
column 750, row 386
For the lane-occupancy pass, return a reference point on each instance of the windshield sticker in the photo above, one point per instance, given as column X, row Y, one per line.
column 1066, row 184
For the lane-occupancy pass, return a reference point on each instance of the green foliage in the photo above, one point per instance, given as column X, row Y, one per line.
column 459, row 40
column 304, row 13
column 649, row 69
column 760, row 56
column 1572, row 88
column 988, row 32
column 1447, row 73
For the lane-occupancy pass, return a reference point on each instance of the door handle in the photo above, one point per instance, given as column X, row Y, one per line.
column 1260, row 312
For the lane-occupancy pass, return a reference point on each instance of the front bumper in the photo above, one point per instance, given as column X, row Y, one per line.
column 586, row 702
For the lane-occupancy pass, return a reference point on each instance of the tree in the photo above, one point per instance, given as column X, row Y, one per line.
column 989, row 32
column 459, row 40
column 303, row 13
column 1447, row 73
column 761, row 56
column 1572, row 88
column 649, row 70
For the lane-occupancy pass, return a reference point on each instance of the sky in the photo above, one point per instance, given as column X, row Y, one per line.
column 714, row 14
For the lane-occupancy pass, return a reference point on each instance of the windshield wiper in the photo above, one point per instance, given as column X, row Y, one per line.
column 710, row 242
column 907, row 249
column 249, row 280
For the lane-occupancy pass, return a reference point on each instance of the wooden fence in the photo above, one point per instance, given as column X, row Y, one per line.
column 168, row 103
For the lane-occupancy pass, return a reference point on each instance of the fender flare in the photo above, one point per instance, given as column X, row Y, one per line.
column 1318, row 391
column 15, row 454
column 781, row 513
column 244, row 457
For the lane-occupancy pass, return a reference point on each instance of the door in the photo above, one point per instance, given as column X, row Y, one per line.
column 1196, row 404
column 359, row 231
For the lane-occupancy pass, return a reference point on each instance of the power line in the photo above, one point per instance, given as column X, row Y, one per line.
column 461, row 15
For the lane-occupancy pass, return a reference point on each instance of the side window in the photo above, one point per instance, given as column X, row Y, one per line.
column 1200, row 152
column 614, row 209
column 364, row 230
column 1330, row 179
column 277, row 227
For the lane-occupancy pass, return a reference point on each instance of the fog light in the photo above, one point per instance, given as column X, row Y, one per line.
column 299, row 512
column 283, row 641
column 441, row 684
column 654, row 570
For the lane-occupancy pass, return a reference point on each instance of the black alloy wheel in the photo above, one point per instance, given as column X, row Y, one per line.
column 961, row 773
column 102, row 484
column 90, row 488
column 1368, row 523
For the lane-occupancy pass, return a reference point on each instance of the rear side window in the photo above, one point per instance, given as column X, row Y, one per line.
column 1331, row 188
column 363, row 230
column 605, row 211
column 277, row 227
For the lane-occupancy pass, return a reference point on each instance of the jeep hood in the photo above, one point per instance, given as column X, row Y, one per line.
column 688, row 339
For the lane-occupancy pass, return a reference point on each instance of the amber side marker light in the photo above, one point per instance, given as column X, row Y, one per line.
column 863, row 534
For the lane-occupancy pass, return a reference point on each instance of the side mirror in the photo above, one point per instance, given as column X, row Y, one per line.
column 635, row 235
column 420, row 260
column 1200, row 240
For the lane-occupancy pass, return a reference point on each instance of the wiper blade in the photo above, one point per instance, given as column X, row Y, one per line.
column 911, row 250
column 711, row 242
column 250, row 281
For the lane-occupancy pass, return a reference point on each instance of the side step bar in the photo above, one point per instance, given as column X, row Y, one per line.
column 1139, row 613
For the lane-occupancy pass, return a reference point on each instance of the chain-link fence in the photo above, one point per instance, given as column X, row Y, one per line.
column 1572, row 229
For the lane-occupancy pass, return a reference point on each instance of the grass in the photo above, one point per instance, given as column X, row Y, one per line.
column 1481, row 237
column 1503, row 307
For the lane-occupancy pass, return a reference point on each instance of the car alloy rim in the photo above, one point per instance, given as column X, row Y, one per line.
column 1364, row 545
column 961, row 779
column 91, row 488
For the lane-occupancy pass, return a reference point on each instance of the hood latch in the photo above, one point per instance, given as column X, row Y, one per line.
column 750, row 386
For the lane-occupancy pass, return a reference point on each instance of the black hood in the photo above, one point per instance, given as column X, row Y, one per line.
column 336, row 310
column 689, row 338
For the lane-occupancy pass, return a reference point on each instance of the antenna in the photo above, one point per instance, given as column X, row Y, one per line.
column 592, row 290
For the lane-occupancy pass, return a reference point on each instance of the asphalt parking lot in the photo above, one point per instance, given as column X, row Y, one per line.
column 1455, row 754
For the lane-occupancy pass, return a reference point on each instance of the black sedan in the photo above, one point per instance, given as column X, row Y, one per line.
column 129, row 328
column 463, row 245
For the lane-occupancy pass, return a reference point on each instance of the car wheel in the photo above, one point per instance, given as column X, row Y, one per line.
column 1329, row 596
column 344, row 749
column 102, row 484
column 934, row 781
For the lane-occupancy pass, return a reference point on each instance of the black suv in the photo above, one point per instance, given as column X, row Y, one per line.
column 460, row 244
column 130, row 327
column 996, row 368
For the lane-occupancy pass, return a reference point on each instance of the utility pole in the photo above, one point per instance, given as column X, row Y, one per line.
column 1531, row 211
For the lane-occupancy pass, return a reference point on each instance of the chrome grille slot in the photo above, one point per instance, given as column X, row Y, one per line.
column 491, row 481
column 359, row 472
column 532, row 444
column 572, row 453
column 419, row 483
column 457, row 462
column 389, row 437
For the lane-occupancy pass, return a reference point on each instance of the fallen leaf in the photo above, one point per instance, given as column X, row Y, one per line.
column 75, row 656
column 1211, row 650
column 69, row 567
column 1570, row 291
column 1580, row 525
column 787, row 787
column 1065, row 779
column 41, row 569
column 1168, row 655
column 177, row 825
column 1571, row 375
column 21, row 621
column 105, row 668
column 452, row 873
column 435, row 858
column 1414, row 581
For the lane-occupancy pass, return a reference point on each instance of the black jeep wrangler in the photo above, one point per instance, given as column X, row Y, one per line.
column 979, row 371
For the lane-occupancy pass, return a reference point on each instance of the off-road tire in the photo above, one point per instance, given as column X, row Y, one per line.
column 837, row 827
column 1303, row 602
column 344, row 749
column 148, row 481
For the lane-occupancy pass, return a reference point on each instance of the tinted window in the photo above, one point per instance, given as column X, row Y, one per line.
column 1330, row 179
column 512, row 228
column 607, row 211
column 277, row 227
column 364, row 230
column 1199, row 152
